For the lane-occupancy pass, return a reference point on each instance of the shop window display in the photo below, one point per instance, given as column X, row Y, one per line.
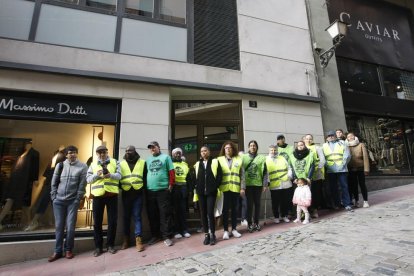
column 384, row 138
column 29, row 152
column 398, row 84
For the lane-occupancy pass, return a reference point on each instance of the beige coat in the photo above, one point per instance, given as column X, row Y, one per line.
column 359, row 158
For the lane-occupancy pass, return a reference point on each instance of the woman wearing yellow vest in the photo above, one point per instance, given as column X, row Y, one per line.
column 279, row 174
column 180, row 194
column 208, row 177
column 132, row 183
column 103, row 176
column 231, row 166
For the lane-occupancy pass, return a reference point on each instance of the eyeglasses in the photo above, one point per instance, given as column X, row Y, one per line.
column 227, row 147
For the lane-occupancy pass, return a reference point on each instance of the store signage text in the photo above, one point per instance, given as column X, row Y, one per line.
column 371, row 30
column 60, row 108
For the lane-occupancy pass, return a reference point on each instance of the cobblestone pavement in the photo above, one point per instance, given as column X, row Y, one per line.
column 371, row 241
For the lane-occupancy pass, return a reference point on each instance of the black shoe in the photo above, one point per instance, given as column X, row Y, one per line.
column 257, row 227
column 98, row 252
column 212, row 239
column 111, row 249
column 153, row 240
column 206, row 239
column 250, row 228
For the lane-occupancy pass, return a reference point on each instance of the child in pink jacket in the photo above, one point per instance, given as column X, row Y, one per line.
column 302, row 198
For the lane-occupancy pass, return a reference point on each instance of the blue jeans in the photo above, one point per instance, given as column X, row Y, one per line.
column 65, row 212
column 132, row 205
column 342, row 179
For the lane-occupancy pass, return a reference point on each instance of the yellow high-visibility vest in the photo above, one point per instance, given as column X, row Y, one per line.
column 335, row 156
column 231, row 177
column 132, row 179
column 278, row 171
column 102, row 185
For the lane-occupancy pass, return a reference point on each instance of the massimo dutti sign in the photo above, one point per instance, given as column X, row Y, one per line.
column 378, row 32
column 58, row 108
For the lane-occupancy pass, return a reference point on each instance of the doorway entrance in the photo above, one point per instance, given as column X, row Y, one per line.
column 208, row 123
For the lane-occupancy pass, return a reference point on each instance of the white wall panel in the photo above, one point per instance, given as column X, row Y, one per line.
column 15, row 18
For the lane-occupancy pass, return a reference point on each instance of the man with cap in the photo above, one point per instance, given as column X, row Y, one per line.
column 160, row 181
column 132, row 183
column 337, row 157
column 180, row 194
column 103, row 176
column 284, row 149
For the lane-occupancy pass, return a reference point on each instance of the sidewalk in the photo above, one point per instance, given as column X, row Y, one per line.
column 132, row 262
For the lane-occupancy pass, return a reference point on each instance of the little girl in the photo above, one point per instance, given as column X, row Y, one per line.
column 302, row 198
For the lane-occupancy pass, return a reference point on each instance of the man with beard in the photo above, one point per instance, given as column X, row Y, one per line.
column 132, row 183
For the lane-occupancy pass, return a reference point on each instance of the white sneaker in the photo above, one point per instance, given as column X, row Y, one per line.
column 366, row 205
column 296, row 220
column 235, row 233
column 168, row 242
column 178, row 236
column 286, row 219
column 305, row 221
column 244, row 222
column 187, row 235
column 226, row 235
column 277, row 220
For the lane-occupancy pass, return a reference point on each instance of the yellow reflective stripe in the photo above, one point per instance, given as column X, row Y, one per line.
column 132, row 175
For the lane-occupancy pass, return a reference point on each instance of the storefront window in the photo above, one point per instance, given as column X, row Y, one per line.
column 409, row 133
column 398, row 84
column 384, row 138
column 29, row 151
column 358, row 77
column 173, row 10
column 140, row 7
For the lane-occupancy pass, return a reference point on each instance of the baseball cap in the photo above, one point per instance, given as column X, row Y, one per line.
column 331, row 133
column 101, row 148
column 153, row 144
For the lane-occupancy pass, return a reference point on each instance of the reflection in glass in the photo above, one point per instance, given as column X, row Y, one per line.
column 140, row 7
column 384, row 138
column 398, row 84
column 102, row 4
column 358, row 77
column 173, row 11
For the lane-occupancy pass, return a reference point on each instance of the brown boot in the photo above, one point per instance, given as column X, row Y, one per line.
column 138, row 244
column 125, row 243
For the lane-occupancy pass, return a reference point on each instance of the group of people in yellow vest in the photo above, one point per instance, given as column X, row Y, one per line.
column 218, row 185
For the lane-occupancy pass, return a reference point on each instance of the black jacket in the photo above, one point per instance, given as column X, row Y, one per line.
column 205, row 182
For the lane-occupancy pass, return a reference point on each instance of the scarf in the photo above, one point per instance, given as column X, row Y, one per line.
column 300, row 154
column 353, row 143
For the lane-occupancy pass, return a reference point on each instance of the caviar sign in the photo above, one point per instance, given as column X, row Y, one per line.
column 378, row 32
column 78, row 109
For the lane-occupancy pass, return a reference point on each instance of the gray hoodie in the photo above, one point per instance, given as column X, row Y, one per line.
column 72, row 181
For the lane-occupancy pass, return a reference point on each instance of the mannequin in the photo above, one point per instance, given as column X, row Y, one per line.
column 44, row 199
column 19, row 191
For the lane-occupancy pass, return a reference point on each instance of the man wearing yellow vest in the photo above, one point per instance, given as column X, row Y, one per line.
column 103, row 176
column 160, row 182
column 337, row 157
column 233, row 173
column 284, row 149
column 279, row 174
column 132, row 183
column 180, row 194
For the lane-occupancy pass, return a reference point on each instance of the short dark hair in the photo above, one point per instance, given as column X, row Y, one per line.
column 71, row 148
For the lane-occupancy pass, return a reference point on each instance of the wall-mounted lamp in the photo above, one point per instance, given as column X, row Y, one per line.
column 337, row 30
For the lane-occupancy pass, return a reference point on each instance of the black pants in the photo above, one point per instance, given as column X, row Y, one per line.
column 231, row 200
column 355, row 178
column 98, row 207
column 253, row 194
column 316, row 190
column 180, row 199
column 280, row 200
column 207, row 203
column 159, row 208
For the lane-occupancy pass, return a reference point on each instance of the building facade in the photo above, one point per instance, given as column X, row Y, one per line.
column 371, row 80
column 115, row 72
